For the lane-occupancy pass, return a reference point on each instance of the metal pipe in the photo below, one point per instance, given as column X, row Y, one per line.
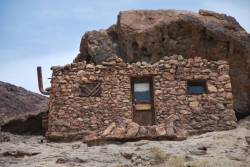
column 40, row 81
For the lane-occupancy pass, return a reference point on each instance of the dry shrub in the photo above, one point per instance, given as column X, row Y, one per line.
column 199, row 163
column 176, row 161
column 159, row 154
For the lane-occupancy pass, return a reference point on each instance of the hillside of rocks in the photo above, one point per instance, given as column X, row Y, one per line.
column 20, row 109
column 148, row 35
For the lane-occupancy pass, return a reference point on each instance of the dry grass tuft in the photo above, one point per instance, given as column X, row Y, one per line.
column 176, row 161
column 199, row 163
column 159, row 154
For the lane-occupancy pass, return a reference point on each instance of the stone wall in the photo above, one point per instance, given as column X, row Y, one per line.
column 72, row 116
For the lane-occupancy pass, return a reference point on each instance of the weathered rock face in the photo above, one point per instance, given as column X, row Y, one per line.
column 21, row 110
column 16, row 101
column 96, row 46
column 149, row 35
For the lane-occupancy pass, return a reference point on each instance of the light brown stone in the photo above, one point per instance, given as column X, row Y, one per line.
column 92, row 78
column 168, row 76
column 160, row 131
column 170, row 129
column 194, row 104
column 224, row 78
column 142, row 131
column 119, row 132
column 132, row 129
column 211, row 88
column 109, row 129
column 90, row 66
column 90, row 137
column 84, row 79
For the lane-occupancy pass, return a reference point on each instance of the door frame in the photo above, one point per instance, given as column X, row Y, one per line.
column 141, row 79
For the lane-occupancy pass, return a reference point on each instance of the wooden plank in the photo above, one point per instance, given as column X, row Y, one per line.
column 143, row 118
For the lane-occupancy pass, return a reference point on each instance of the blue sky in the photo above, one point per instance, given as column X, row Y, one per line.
column 48, row 32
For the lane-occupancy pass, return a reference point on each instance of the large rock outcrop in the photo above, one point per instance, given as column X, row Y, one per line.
column 148, row 35
column 21, row 110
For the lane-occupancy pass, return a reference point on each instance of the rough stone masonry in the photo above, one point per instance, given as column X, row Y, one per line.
column 110, row 114
column 149, row 35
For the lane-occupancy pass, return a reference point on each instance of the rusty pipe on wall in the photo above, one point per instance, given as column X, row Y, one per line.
column 40, row 81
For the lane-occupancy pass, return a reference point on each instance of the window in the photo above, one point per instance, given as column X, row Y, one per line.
column 196, row 87
column 90, row 89
column 141, row 91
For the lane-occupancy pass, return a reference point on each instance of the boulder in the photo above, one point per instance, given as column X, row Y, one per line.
column 160, row 131
column 126, row 130
column 132, row 129
column 109, row 129
column 170, row 129
column 96, row 46
column 152, row 131
column 90, row 137
column 149, row 35
column 142, row 131
column 119, row 132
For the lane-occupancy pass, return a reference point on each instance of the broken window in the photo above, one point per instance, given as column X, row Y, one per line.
column 90, row 89
column 196, row 87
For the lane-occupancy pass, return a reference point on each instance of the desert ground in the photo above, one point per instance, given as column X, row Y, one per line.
column 214, row 149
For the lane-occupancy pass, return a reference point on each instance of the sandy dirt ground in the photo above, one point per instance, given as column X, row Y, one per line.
column 223, row 149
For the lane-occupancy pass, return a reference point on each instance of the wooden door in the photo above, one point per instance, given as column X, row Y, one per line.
column 143, row 101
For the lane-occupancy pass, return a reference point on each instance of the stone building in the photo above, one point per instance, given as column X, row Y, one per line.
column 128, row 100
column 154, row 74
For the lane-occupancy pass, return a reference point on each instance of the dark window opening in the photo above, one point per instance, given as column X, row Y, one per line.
column 196, row 87
column 90, row 89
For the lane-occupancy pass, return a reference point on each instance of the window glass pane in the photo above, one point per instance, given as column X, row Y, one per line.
column 142, row 92
column 141, row 87
column 196, row 89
